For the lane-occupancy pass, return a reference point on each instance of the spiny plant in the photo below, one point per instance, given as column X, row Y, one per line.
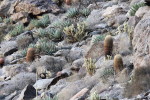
column 7, row 20
column 75, row 33
column 90, row 66
column 17, row 30
column 108, row 46
column 85, row 12
column 135, row 7
column 1, row 61
column 118, row 63
column 61, row 24
column 98, row 38
column 107, row 72
column 72, row 12
column 30, row 54
column 23, row 52
column 44, row 21
column 94, row 96
column 46, row 47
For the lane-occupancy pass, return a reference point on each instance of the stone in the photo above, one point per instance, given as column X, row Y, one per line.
column 8, row 47
column 141, row 11
column 77, row 64
column 20, row 16
column 141, row 44
column 80, row 95
column 17, row 82
column 28, row 93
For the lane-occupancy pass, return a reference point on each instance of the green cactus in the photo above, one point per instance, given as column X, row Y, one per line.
column 72, row 12
column 85, row 12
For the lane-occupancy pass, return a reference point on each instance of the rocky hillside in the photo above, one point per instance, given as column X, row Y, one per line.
column 74, row 50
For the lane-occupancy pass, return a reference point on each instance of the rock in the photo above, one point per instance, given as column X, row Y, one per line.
column 42, row 83
column 80, row 95
column 8, row 47
column 17, row 83
column 133, row 20
column 12, row 70
column 77, row 64
column 49, row 63
column 28, row 93
column 11, row 96
column 94, row 18
column 120, row 19
column 141, row 44
column 37, row 7
column 20, row 16
column 111, row 11
column 75, row 53
column 141, row 11
column 95, row 51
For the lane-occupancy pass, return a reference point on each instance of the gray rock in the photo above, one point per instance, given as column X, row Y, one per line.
column 8, row 47
column 28, row 93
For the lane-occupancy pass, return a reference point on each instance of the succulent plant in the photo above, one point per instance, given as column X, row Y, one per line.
column 75, row 33
column 17, row 30
column 85, row 12
column 46, row 47
column 30, row 54
column 44, row 21
column 72, row 12
column 118, row 63
column 98, row 38
column 23, row 52
column 94, row 96
column 90, row 66
column 1, row 61
column 108, row 46
column 68, row 2
column 135, row 7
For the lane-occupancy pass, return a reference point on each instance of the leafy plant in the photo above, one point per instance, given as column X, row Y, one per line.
column 75, row 33
column 85, row 12
column 17, row 30
column 61, row 24
column 23, row 52
column 98, row 38
column 90, row 66
column 107, row 72
column 46, row 47
column 44, row 21
column 135, row 7
column 72, row 12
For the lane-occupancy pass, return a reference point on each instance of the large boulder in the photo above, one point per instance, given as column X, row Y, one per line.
column 141, row 43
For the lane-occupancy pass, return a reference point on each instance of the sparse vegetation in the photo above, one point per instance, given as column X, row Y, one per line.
column 90, row 66
column 75, row 33
column 94, row 96
column 135, row 7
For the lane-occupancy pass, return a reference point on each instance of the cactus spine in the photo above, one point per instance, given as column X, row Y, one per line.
column 108, row 46
column 118, row 63
column 30, row 55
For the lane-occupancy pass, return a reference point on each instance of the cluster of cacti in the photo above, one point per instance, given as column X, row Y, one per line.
column 108, row 46
column 94, row 96
column 74, row 12
column 75, row 33
column 135, row 7
column 118, row 63
column 30, row 56
column 90, row 66
column 17, row 30
column 46, row 47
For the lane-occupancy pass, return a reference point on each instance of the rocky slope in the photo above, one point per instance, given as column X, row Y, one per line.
column 74, row 50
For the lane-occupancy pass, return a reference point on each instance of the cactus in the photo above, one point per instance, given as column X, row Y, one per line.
column 108, row 46
column 85, row 11
column 118, row 63
column 68, row 2
column 1, row 61
column 90, row 66
column 72, row 12
column 30, row 55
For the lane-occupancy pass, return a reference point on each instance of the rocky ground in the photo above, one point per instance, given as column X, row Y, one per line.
column 74, row 50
